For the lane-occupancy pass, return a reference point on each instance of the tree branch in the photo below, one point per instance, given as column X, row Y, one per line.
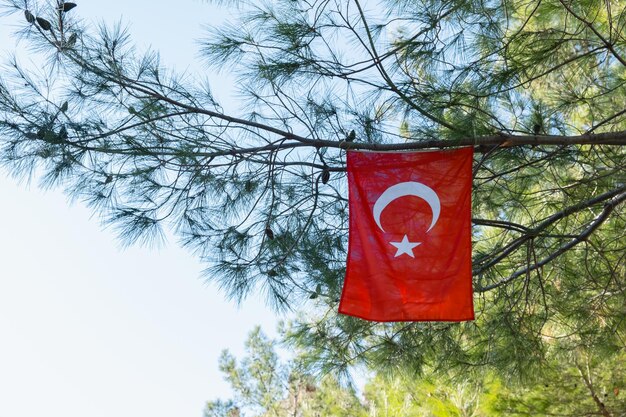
column 601, row 218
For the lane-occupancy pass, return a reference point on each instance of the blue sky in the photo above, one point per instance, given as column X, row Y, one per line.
column 88, row 328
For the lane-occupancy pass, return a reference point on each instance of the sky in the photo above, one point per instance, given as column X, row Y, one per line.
column 87, row 327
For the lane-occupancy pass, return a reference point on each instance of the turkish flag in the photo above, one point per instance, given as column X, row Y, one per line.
column 409, row 251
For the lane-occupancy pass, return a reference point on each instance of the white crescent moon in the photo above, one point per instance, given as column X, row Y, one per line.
column 402, row 189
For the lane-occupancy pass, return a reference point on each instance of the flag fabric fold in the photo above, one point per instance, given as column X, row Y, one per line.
column 409, row 253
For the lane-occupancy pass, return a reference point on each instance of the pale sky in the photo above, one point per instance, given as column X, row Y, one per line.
column 88, row 328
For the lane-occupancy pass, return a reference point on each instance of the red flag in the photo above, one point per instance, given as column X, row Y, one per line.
column 409, row 253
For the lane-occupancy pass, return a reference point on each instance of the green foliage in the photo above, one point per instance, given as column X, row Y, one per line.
column 573, row 383
column 264, row 386
column 148, row 149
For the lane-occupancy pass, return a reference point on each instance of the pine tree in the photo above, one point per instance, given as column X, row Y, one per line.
column 266, row 386
column 537, row 88
column 574, row 383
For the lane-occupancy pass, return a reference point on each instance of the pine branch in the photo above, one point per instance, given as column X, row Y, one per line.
column 534, row 232
column 595, row 31
column 597, row 222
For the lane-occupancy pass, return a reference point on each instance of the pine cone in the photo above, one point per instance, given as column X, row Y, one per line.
column 29, row 16
column 43, row 23
column 325, row 176
column 68, row 6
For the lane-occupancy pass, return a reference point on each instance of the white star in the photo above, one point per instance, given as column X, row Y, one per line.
column 405, row 247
